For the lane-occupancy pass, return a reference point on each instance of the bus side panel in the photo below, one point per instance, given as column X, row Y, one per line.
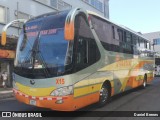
column 86, row 100
column 129, row 73
column 87, row 91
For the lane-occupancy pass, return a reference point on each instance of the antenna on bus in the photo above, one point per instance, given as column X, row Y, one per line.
column 4, row 30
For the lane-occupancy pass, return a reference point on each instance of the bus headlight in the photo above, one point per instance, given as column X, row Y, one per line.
column 63, row 91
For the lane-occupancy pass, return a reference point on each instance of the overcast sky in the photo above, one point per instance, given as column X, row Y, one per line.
column 138, row 15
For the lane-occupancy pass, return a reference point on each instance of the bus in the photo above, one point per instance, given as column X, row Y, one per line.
column 69, row 59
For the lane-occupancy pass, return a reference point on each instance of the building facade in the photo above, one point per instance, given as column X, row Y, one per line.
column 24, row 9
column 16, row 9
column 99, row 6
column 154, row 37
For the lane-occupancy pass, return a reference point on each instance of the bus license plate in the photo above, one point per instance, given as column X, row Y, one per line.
column 32, row 102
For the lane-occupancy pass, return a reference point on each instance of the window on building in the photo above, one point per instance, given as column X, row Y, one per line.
column 86, row 1
column 156, row 41
column 60, row 4
column 98, row 4
column 22, row 15
column 54, row 3
column 2, row 15
column 92, row 2
column 43, row 1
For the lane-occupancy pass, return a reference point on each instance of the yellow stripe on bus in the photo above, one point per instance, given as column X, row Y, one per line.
column 35, row 91
column 81, row 91
column 89, row 86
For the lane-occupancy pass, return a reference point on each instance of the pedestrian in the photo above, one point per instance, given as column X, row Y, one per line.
column 4, row 78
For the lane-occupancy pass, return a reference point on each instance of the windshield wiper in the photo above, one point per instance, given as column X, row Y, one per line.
column 36, row 52
column 24, row 41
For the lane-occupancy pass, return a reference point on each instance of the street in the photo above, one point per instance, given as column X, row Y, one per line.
column 135, row 100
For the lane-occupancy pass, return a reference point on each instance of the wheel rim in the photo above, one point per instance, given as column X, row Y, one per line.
column 144, row 83
column 104, row 94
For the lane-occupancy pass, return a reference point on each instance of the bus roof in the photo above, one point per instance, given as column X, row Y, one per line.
column 121, row 26
column 93, row 13
column 48, row 14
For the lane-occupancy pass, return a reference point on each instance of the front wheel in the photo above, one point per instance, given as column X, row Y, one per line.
column 104, row 95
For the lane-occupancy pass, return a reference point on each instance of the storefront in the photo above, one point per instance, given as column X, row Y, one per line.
column 7, row 55
column 6, row 65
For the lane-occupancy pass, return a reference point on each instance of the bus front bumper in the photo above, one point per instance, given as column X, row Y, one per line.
column 64, row 103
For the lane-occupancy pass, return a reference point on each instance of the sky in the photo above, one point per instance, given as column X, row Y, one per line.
column 139, row 15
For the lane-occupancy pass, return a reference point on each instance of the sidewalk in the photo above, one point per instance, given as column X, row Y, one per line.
column 6, row 93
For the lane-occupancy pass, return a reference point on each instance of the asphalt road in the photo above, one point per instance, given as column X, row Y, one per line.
column 135, row 100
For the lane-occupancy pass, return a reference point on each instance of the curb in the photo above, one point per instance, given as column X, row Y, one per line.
column 9, row 94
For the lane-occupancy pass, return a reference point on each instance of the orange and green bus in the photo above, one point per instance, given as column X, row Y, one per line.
column 70, row 59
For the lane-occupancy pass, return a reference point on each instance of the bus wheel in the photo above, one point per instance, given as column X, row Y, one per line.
column 144, row 81
column 104, row 95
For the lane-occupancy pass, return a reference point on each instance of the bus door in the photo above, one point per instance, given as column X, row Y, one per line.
column 86, row 53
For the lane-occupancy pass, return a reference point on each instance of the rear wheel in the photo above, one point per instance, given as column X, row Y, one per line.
column 104, row 95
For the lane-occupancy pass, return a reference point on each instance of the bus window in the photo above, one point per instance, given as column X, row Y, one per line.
column 120, row 34
column 134, row 40
column 86, row 49
column 149, row 45
column 146, row 44
column 104, row 31
column 113, row 32
column 128, row 37
column 141, row 45
column 82, row 52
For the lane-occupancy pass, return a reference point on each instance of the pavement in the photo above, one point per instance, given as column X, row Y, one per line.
column 6, row 93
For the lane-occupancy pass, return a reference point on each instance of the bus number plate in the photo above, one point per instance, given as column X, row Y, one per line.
column 32, row 102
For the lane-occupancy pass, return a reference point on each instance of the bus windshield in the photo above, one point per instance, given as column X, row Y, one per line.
column 41, row 46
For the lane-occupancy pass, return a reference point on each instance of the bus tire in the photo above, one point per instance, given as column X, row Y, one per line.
column 104, row 95
column 144, row 85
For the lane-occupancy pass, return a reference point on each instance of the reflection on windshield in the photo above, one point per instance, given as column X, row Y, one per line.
column 41, row 45
column 54, row 48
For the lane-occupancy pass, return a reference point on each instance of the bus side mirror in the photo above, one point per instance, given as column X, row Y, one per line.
column 69, row 31
column 3, row 38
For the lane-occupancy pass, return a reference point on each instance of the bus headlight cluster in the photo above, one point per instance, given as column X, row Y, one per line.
column 68, row 90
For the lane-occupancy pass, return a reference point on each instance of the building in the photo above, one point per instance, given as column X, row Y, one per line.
column 25, row 9
column 154, row 37
column 99, row 6
column 15, row 9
